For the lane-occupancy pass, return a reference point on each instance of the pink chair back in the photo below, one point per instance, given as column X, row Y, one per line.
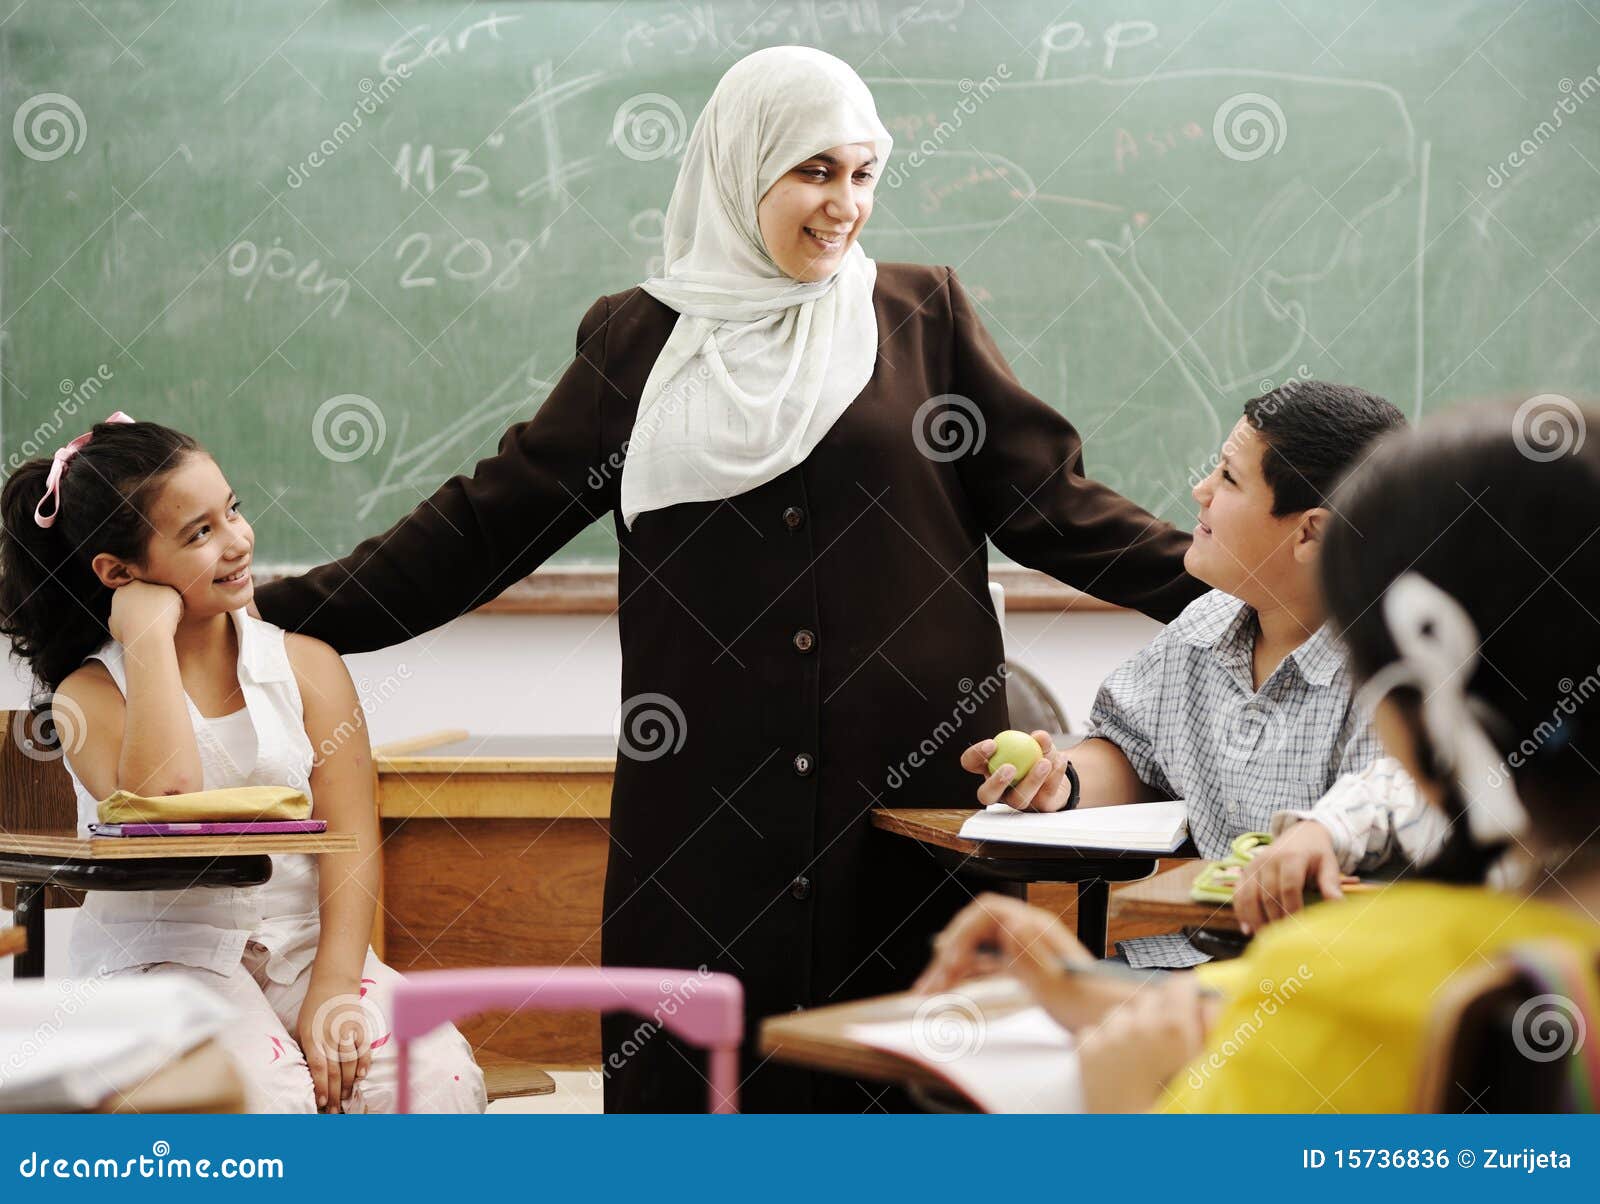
column 705, row 1010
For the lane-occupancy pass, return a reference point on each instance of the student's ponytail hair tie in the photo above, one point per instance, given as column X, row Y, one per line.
column 1438, row 645
column 58, row 465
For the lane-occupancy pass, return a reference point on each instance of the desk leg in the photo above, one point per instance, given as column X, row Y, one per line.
column 1094, row 902
column 30, row 915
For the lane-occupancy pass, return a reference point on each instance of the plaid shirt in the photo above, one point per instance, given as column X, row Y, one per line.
column 1186, row 714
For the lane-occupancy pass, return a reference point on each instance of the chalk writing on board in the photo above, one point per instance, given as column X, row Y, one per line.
column 466, row 259
column 1260, row 322
column 278, row 263
column 735, row 30
column 414, row 471
column 417, row 167
column 1069, row 42
column 420, row 44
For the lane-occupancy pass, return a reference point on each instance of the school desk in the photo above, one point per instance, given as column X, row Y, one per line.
column 1164, row 899
column 1091, row 870
column 33, row 858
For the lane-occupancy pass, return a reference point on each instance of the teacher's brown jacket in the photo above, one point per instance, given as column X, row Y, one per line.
column 823, row 645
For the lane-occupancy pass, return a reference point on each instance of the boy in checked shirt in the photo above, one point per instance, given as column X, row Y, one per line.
column 1242, row 706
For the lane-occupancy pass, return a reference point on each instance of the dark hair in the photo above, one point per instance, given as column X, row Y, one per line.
column 1315, row 433
column 1472, row 505
column 52, row 606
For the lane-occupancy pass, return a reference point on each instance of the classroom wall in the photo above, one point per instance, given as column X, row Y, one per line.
column 560, row 674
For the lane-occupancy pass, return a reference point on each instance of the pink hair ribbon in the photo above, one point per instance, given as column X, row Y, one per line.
column 52, row 484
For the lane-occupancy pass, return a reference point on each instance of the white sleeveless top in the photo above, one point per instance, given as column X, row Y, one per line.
column 265, row 744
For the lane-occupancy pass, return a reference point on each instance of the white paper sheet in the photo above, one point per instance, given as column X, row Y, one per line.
column 1146, row 827
column 1003, row 1058
column 68, row 1043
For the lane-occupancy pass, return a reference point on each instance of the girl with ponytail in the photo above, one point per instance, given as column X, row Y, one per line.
column 125, row 582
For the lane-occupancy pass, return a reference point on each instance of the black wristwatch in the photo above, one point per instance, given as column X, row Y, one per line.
column 1072, row 799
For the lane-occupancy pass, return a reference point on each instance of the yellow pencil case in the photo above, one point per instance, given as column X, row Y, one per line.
column 237, row 804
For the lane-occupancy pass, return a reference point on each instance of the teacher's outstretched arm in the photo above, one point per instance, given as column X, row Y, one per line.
column 476, row 535
column 1027, row 483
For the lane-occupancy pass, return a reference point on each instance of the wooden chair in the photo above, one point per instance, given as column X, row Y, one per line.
column 1032, row 704
column 35, row 793
column 1504, row 1038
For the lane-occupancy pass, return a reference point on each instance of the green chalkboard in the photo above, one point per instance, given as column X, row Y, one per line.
column 346, row 243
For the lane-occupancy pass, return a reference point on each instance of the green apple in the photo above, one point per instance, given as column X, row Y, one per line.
column 1017, row 749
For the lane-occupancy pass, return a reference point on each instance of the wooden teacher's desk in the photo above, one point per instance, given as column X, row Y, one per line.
column 494, row 854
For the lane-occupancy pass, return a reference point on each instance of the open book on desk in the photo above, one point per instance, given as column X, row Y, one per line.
column 1136, row 827
column 986, row 1041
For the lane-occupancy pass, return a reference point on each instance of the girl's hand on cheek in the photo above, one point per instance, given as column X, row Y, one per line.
column 142, row 610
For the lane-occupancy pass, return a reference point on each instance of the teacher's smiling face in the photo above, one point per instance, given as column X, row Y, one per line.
column 813, row 214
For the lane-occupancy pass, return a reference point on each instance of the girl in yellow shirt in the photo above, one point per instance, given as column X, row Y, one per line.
column 1459, row 566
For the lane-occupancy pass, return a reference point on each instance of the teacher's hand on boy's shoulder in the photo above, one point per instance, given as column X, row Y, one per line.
column 1274, row 880
column 143, row 610
column 1043, row 788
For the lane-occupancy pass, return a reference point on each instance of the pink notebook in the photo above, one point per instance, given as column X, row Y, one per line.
column 265, row 827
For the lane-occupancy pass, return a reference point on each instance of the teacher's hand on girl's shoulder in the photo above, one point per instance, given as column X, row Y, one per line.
column 142, row 610
column 1043, row 788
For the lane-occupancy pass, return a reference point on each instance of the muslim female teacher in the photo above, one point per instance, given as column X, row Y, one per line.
column 802, row 567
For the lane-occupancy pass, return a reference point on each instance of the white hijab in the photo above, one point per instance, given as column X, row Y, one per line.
column 759, row 366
